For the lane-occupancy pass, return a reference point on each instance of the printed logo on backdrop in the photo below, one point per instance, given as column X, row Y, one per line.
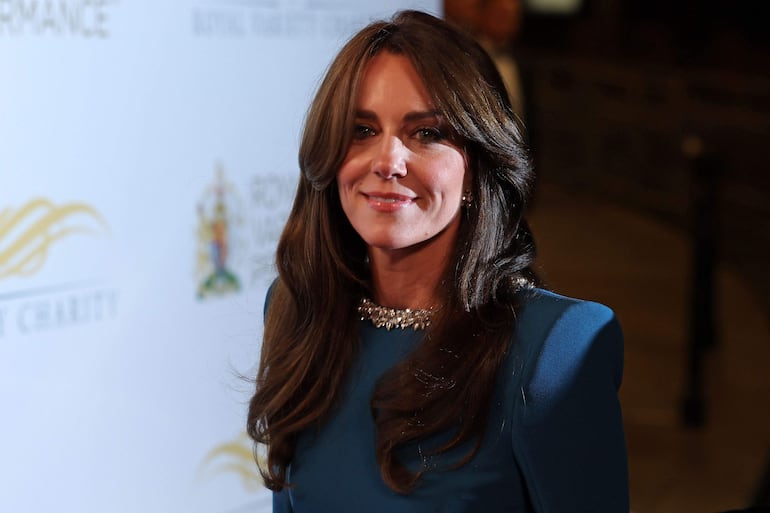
column 36, row 236
column 271, row 199
column 234, row 459
column 236, row 245
column 306, row 19
column 79, row 18
column 28, row 233
column 221, row 239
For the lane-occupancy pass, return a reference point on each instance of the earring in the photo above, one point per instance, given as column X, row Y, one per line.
column 467, row 198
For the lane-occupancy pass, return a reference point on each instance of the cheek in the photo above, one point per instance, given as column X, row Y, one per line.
column 343, row 179
column 346, row 181
column 348, row 173
column 449, row 176
column 343, row 194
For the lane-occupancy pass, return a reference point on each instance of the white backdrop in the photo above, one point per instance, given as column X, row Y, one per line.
column 147, row 163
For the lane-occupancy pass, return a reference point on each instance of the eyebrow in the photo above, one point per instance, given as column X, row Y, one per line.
column 410, row 116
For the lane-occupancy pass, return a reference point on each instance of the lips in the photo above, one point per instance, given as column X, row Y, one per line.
column 387, row 201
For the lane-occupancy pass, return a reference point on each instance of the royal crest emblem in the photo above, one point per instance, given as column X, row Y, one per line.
column 219, row 220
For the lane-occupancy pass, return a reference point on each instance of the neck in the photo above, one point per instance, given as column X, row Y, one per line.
column 407, row 278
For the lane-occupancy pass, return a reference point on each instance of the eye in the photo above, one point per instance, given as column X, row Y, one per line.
column 429, row 134
column 362, row 132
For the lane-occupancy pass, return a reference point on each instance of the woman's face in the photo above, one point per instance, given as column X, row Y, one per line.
column 402, row 179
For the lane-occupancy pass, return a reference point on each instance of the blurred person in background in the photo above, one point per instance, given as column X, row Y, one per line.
column 463, row 13
column 499, row 23
column 495, row 24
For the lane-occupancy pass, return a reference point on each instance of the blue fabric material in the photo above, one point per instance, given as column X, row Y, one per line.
column 554, row 443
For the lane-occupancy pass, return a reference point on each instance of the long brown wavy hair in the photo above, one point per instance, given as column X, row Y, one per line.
column 311, row 325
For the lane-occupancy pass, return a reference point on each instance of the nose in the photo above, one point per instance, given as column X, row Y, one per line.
column 389, row 160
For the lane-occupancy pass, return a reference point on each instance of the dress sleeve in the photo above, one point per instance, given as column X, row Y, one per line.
column 281, row 502
column 268, row 295
column 568, row 430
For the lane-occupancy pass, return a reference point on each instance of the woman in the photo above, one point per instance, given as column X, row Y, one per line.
column 409, row 363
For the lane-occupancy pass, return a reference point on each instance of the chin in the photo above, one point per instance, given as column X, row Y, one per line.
column 388, row 243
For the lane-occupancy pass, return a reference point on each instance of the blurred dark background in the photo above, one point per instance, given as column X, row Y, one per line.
column 649, row 122
column 615, row 89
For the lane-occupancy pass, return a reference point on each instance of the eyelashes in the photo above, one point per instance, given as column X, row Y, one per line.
column 424, row 134
column 362, row 132
column 429, row 134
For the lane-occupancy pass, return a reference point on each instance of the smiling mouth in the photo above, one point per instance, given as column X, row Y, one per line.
column 388, row 202
column 388, row 197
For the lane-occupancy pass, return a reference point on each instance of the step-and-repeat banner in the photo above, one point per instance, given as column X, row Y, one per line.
column 147, row 164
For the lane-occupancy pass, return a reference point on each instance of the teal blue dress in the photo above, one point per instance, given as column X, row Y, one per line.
column 554, row 442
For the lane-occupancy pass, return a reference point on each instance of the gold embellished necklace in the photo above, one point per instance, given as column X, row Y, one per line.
column 393, row 318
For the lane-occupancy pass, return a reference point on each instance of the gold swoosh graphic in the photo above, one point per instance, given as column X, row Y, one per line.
column 35, row 227
column 237, row 458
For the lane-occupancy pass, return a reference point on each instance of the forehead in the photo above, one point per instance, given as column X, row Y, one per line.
column 391, row 79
